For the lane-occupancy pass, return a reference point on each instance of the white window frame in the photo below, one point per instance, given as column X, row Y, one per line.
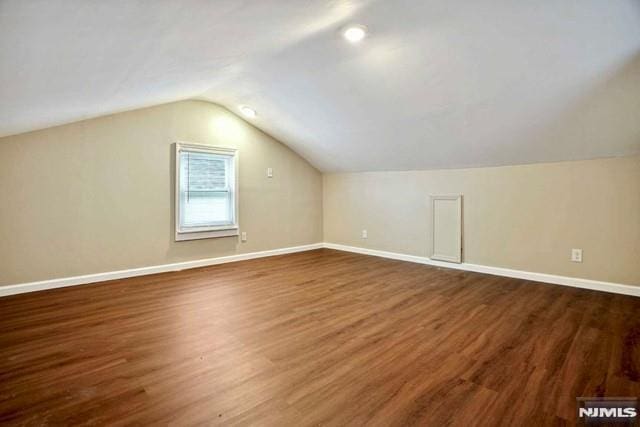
column 213, row 231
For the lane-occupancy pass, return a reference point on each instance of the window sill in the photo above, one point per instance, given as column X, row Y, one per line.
column 211, row 234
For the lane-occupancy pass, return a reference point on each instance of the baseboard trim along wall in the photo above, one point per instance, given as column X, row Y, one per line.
column 575, row 282
column 617, row 288
column 142, row 271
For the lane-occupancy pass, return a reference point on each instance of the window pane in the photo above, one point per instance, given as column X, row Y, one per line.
column 206, row 196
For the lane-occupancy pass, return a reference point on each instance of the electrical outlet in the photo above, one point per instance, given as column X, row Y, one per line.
column 576, row 255
column 269, row 172
column 364, row 234
column 243, row 236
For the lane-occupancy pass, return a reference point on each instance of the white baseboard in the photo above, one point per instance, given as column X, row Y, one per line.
column 142, row 271
column 617, row 288
column 575, row 282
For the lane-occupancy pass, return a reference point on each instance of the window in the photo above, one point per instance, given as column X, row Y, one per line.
column 206, row 192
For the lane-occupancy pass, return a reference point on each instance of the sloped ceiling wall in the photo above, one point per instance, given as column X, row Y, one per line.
column 436, row 84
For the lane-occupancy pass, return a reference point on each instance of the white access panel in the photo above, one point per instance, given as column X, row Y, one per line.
column 446, row 214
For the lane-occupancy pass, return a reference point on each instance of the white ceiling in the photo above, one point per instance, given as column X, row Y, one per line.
column 437, row 84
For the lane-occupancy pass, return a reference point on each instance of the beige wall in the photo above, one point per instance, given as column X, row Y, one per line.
column 520, row 217
column 96, row 195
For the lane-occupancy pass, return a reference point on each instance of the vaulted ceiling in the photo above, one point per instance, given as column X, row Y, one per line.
column 435, row 84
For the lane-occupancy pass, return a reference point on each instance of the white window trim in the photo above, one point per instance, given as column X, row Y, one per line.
column 206, row 232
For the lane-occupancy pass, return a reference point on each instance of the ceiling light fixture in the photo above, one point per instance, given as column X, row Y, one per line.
column 248, row 111
column 354, row 33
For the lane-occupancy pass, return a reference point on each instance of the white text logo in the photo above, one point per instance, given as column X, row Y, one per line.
column 607, row 412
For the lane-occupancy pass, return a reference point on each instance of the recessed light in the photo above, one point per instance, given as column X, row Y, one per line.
column 354, row 33
column 248, row 111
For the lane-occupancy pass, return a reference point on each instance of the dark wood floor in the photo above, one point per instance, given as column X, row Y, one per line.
column 320, row 337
